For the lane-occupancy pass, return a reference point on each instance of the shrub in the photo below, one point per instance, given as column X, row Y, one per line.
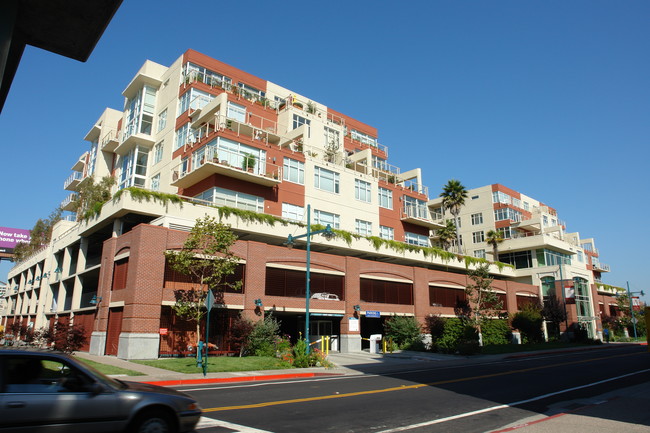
column 454, row 331
column 66, row 338
column 529, row 321
column 242, row 328
column 405, row 331
column 315, row 358
column 261, row 340
column 496, row 331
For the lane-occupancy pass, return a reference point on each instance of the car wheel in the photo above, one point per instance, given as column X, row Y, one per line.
column 154, row 422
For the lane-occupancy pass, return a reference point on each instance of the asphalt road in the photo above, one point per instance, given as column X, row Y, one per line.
column 422, row 396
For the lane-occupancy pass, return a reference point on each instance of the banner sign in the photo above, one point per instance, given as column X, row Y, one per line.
column 373, row 314
column 10, row 237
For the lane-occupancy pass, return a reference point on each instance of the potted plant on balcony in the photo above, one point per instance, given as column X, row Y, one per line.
column 249, row 162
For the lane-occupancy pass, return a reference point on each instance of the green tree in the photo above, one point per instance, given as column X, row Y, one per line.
column 92, row 196
column 405, row 331
column 494, row 238
column 483, row 300
column 205, row 258
column 529, row 321
column 453, row 198
column 40, row 235
column 554, row 312
column 447, row 234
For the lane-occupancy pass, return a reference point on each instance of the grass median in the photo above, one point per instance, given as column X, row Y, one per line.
column 218, row 364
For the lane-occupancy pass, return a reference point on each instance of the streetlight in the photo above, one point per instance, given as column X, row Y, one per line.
column 329, row 234
column 629, row 299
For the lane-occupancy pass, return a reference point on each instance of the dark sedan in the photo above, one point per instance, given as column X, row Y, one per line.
column 53, row 392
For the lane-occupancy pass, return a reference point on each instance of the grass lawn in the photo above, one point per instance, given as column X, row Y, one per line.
column 109, row 369
column 514, row 348
column 218, row 364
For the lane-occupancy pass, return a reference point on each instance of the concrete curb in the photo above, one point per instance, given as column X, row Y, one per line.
column 180, row 382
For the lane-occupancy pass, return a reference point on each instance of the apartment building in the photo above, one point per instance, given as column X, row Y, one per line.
column 256, row 155
column 536, row 243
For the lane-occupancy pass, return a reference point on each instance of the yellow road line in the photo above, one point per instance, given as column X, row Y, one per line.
column 407, row 387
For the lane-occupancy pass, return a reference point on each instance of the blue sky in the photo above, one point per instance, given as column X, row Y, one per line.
column 549, row 98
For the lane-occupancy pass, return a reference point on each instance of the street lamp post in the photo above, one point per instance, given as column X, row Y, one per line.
column 629, row 299
column 329, row 234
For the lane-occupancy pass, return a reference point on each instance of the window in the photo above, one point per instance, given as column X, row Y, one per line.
column 363, row 138
column 294, row 171
column 292, row 212
column 250, row 92
column 363, row 228
column 155, row 182
column 581, row 258
column 162, row 120
column 479, row 253
column 478, row 237
column 290, row 283
column 332, row 139
column 386, row 292
column 386, row 233
column 520, row 259
column 325, row 218
column 192, row 72
column 446, row 296
column 385, row 198
column 545, row 220
column 139, row 112
column 501, row 197
column 298, row 121
column 552, row 258
column 236, row 199
column 516, row 202
column 507, row 213
column 134, row 168
column 477, row 218
column 362, row 190
column 526, row 206
column 194, row 99
column 415, row 208
column 158, row 152
column 184, row 135
column 326, row 180
column 416, row 239
column 236, row 112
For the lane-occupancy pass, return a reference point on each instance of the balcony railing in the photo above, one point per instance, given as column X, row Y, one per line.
column 421, row 215
column 256, row 128
column 73, row 179
column 69, row 201
column 212, row 160
column 110, row 141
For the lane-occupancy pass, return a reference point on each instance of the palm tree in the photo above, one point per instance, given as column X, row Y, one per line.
column 494, row 238
column 453, row 198
column 446, row 235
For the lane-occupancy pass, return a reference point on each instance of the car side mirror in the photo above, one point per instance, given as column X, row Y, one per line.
column 96, row 389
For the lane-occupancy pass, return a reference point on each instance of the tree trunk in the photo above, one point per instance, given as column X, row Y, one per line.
column 458, row 246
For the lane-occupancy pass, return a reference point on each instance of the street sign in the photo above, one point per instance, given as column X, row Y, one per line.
column 375, row 314
column 635, row 320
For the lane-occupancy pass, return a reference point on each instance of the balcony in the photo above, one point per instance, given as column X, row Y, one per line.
column 72, row 182
column 209, row 160
column 421, row 216
column 134, row 140
column 527, row 241
column 110, row 141
column 81, row 163
column 69, row 203
column 600, row 267
column 255, row 128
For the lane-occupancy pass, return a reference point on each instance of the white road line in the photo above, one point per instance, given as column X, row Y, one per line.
column 205, row 422
column 503, row 406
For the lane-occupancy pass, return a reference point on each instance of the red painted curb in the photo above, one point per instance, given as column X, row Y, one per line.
column 179, row 382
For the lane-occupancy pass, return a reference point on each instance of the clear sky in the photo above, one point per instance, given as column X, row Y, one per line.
column 550, row 98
